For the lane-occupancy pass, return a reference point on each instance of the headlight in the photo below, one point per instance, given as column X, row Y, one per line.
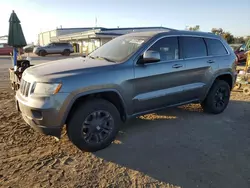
column 46, row 88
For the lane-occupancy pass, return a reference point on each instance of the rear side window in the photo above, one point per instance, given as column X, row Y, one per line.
column 193, row 47
column 61, row 44
column 215, row 47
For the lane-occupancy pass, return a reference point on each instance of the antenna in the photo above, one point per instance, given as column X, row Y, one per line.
column 95, row 21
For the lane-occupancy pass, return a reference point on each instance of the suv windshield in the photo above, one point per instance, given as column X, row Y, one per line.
column 119, row 49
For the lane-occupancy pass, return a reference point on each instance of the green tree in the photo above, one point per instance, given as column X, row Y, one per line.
column 239, row 40
column 195, row 28
column 225, row 34
column 217, row 31
column 228, row 37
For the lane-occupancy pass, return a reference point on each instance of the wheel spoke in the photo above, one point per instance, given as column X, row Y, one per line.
column 222, row 103
column 100, row 136
column 98, row 114
column 106, row 118
column 86, row 122
column 106, row 129
column 97, row 137
column 88, row 137
column 94, row 115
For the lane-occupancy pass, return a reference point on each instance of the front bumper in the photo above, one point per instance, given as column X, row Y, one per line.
column 44, row 118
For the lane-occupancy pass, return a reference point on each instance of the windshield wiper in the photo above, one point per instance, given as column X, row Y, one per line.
column 107, row 59
column 99, row 57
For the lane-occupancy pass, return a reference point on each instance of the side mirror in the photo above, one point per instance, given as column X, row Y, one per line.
column 150, row 56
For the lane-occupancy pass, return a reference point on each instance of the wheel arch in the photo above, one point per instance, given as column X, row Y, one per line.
column 42, row 50
column 228, row 77
column 111, row 95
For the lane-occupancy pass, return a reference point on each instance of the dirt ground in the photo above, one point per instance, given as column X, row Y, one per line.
column 179, row 147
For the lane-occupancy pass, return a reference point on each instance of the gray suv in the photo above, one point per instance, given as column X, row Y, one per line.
column 63, row 48
column 131, row 75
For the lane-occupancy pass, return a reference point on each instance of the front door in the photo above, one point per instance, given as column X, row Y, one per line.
column 160, row 84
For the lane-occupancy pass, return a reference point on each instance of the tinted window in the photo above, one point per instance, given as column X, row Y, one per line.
column 193, row 47
column 60, row 44
column 167, row 47
column 215, row 47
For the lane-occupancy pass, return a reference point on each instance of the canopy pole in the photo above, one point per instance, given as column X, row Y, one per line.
column 15, row 58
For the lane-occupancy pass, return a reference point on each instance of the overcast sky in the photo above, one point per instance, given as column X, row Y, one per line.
column 43, row 15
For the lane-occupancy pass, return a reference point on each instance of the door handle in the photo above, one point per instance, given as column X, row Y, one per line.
column 210, row 61
column 177, row 66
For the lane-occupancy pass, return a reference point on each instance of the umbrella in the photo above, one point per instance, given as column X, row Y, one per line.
column 15, row 37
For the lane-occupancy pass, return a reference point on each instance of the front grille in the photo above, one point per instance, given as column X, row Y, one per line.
column 24, row 88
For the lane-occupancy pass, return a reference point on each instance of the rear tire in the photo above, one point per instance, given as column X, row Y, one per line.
column 66, row 52
column 217, row 98
column 94, row 125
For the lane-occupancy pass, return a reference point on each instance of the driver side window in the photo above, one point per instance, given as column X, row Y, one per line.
column 167, row 48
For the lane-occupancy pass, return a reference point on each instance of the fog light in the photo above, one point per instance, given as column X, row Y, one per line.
column 37, row 114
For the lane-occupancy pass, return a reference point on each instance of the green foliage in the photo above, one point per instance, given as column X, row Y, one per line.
column 217, row 31
column 195, row 28
column 239, row 40
column 228, row 37
column 225, row 34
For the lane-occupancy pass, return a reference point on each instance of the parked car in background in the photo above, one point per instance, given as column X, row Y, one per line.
column 241, row 53
column 63, row 48
column 131, row 75
column 5, row 49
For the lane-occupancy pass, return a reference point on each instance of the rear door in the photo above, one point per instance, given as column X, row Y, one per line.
column 160, row 84
column 199, row 66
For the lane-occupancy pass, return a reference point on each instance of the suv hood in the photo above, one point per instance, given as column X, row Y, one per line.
column 66, row 67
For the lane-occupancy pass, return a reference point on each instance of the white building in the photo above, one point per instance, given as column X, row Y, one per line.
column 44, row 38
column 86, row 40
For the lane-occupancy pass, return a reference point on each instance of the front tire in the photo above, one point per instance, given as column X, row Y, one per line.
column 94, row 125
column 217, row 98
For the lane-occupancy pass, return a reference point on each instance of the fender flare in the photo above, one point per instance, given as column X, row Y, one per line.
column 213, row 80
column 79, row 95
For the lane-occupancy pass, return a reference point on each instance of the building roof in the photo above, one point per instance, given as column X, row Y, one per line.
column 107, row 32
column 84, row 28
column 135, row 28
